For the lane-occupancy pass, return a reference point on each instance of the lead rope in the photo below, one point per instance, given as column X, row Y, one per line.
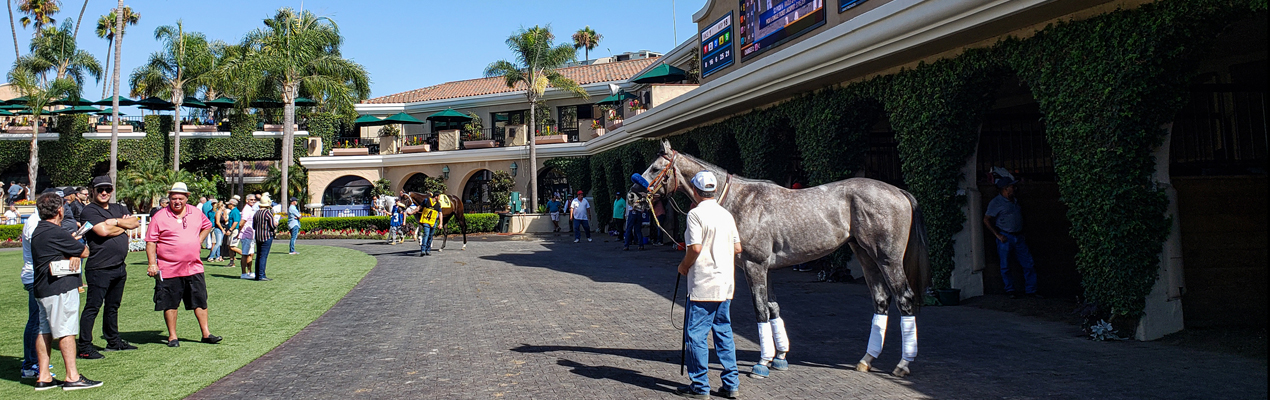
column 674, row 297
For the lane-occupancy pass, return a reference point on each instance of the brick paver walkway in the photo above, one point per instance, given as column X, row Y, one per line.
column 550, row 319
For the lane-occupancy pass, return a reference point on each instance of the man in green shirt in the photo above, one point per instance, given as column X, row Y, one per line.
column 619, row 217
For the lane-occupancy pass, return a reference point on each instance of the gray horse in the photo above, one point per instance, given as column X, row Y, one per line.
column 781, row 227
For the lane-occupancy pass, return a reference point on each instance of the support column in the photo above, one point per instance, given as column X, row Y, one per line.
column 968, row 242
column 1163, row 312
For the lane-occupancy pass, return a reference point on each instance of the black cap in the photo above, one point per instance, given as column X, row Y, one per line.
column 103, row 180
column 53, row 190
column 294, row 199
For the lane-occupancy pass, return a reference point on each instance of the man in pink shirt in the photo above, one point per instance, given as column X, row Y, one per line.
column 172, row 246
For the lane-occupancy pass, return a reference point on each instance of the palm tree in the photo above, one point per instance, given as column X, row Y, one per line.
column 114, row 102
column 39, row 93
column 16, row 52
column 294, row 53
column 80, row 21
column 56, row 51
column 536, row 62
column 586, row 39
column 39, row 13
column 184, row 65
column 298, row 182
column 106, row 30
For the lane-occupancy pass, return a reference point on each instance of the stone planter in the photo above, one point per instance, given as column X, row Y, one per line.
column 27, row 129
column 637, row 111
column 479, row 144
column 123, row 128
column 549, row 139
column 187, row 128
column 278, row 127
column 359, row 151
column 422, row 148
column 600, row 131
column 613, row 125
column 448, row 140
column 26, row 210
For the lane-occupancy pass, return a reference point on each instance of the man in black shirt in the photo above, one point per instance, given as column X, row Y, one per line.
column 105, row 272
column 56, row 291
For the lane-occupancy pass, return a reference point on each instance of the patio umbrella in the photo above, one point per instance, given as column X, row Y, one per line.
column 6, row 113
column 19, row 100
column 154, row 103
column 123, row 101
column 617, row 98
column 402, row 118
column 193, row 103
column 109, row 111
column 661, row 74
column 266, row 103
column 449, row 115
column 221, row 102
column 67, row 101
column 368, row 120
column 78, row 110
column 13, row 107
column 304, row 102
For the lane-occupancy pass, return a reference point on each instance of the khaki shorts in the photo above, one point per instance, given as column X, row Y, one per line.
column 59, row 314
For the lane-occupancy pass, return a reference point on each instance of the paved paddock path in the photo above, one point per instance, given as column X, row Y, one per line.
column 550, row 319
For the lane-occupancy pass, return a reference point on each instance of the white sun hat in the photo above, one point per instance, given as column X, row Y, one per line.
column 179, row 187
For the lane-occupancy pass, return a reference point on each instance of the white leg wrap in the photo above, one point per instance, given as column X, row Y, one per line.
column 778, row 330
column 765, row 342
column 908, row 327
column 877, row 335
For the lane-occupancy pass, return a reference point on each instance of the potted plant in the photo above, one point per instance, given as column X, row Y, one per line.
column 637, row 107
column 278, row 127
column 598, row 127
column 472, row 134
column 549, row 134
column 349, row 147
column 193, row 125
column 415, row 144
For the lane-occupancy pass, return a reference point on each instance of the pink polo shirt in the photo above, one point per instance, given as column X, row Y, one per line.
column 176, row 243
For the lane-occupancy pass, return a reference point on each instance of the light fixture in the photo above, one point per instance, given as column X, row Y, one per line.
column 445, row 172
column 514, row 167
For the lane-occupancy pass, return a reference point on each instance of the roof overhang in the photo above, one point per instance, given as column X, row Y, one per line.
column 574, row 149
column 594, row 91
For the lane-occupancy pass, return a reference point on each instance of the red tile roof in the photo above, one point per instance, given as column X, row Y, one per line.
column 583, row 75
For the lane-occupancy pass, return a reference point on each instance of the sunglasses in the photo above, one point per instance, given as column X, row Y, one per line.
column 106, row 189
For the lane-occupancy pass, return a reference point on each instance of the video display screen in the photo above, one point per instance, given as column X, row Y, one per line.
column 716, row 46
column 764, row 24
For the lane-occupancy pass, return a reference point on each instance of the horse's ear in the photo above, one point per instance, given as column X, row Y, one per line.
column 665, row 146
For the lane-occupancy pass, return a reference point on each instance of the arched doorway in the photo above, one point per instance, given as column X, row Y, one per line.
column 552, row 182
column 348, row 190
column 476, row 194
column 416, row 183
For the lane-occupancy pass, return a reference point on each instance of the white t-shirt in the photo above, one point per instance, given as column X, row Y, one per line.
column 713, row 276
column 10, row 217
column 579, row 208
column 249, row 215
column 28, row 228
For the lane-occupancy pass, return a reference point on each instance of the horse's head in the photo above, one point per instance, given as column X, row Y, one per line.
column 661, row 175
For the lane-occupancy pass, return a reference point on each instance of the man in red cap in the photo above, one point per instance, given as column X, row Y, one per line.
column 579, row 208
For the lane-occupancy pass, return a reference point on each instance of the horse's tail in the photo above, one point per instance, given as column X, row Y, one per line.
column 916, row 255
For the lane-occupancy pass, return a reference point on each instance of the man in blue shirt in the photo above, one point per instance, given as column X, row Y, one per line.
column 1004, row 219
column 293, row 222
column 231, row 230
column 553, row 209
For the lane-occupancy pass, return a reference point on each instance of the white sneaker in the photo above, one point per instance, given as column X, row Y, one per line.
column 575, row 240
column 244, row 276
column 588, row 239
column 251, row 276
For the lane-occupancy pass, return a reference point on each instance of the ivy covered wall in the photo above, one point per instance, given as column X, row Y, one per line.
column 70, row 159
column 1105, row 86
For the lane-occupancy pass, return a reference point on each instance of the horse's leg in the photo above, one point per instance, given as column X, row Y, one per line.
column 779, row 336
column 757, row 276
column 444, row 237
column 881, row 303
column 906, row 302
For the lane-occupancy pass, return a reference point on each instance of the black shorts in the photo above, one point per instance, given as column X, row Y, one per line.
column 170, row 292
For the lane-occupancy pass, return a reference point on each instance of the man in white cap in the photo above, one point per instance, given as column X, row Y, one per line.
column 712, row 245
column 172, row 246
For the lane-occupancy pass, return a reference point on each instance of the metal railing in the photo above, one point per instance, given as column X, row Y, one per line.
column 498, row 135
column 371, row 144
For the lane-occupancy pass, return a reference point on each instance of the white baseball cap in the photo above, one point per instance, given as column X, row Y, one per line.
column 705, row 181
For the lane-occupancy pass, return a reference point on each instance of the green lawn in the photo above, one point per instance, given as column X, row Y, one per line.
column 253, row 317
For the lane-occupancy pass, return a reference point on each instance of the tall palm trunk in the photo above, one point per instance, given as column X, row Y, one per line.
column 533, row 148
column 13, row 28
column 178, row 98
column 289, row 93
column 80, row 20
column 33, row 168
column 109, row 45
column 114, row 102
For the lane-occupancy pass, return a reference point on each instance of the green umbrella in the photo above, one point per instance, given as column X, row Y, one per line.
column 67, row 101
column 617, row 98
column 20, row 100
column 223, row 102
column 192, row 103
column 304, row 102
column 154, row 103
column 265, row 103
column 78, row 110
column 123, row 101
column 6, row 113
column 402, row 118
column 25, row 112
column 449, row 115
column 109, row 111
column 661, row 74
column 13, row 107
column 368, row 120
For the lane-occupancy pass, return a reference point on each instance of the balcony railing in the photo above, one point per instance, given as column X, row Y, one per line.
column 371, row 144
column 497, row 135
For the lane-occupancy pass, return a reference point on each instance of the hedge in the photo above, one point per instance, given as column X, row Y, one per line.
column 10, row 232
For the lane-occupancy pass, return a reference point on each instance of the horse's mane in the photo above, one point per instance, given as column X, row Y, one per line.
column 720, row 171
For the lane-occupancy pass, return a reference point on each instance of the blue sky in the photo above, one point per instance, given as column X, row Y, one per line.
column 404, row 45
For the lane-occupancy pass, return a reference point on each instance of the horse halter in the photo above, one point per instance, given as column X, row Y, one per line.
column 662, row 176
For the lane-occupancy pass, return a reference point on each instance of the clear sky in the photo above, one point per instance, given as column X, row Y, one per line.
column 404, row 44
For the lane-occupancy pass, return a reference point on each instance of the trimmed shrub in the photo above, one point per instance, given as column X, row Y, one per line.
column 13, row 232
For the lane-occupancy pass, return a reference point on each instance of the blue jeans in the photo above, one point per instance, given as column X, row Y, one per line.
column 32, row 328
column 262, row 257
column 703, row 317
column 635, row 228
column 578, row 226
column 1019, row 245
column 295, row 231
column 425, row 241
column 218, row 235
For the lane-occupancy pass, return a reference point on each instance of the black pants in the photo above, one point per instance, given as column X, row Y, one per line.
column 619, row 225
column 105, row 287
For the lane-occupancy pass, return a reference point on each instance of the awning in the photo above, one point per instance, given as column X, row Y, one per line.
column 617, row 98
column 661, row 74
